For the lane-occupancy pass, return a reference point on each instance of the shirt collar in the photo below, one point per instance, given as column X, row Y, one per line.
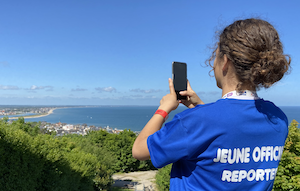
column 244, row 95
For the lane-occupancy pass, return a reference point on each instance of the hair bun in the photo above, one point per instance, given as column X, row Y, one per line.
column 267, row 55
column 270, row 68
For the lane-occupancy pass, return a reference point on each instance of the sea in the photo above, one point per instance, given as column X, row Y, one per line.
column 123, row 117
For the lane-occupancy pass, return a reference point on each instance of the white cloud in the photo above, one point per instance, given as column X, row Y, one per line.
column 34, row 87
column 208, row 93
column 138, row 90
column 106, row 89
column 78, row 90
column 9, row 87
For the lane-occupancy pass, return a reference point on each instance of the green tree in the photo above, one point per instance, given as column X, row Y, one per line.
column 120, row 145
column 33, row 161
column 163, row 178
column 32, row 128
column 288, row 174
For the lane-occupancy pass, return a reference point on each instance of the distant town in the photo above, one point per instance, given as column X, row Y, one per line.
column 59, row 128
column 63, row 128
column 20, row 110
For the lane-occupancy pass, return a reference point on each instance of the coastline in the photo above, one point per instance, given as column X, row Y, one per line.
column 35, row 116
column 123, row 117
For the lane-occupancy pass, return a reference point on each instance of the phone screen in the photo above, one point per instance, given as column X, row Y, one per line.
column 179, row 78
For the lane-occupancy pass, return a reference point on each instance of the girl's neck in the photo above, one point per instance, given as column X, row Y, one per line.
column 226, row 90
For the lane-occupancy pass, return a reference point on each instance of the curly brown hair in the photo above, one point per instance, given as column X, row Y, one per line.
column 254, row 48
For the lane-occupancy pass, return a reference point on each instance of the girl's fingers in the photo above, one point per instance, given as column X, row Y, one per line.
column 171, row 86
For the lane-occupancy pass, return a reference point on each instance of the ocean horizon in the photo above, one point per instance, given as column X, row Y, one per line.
column 123, row 117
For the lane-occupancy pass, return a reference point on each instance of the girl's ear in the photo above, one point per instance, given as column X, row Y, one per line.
column 225, row 63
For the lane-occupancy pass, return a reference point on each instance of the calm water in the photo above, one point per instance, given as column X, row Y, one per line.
column 123, row 117
column 292, row 112
column 120, row 117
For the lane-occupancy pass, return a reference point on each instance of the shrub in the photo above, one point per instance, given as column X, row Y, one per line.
column 31, row 161
column 163, row 178
column 121, row 147
column 288, row 174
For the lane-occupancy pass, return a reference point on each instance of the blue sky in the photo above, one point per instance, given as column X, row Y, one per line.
column 120, row 52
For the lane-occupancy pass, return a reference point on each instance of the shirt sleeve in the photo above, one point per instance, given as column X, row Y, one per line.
column 169, row 144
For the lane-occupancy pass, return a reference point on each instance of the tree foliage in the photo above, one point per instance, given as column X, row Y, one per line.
column 288, row 174
column 163, row 178
column 121, row 147
column 33, row 161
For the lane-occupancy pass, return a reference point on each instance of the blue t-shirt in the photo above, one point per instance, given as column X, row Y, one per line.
column 226, row 145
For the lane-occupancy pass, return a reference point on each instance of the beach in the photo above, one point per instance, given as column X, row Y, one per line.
column 119, row 117
column 35, row 116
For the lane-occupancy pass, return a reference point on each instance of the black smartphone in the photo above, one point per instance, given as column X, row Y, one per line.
column 179, row 75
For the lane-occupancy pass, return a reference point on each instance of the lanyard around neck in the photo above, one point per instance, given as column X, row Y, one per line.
column 245, row 95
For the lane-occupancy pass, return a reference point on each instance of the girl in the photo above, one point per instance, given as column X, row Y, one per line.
column 236, row 142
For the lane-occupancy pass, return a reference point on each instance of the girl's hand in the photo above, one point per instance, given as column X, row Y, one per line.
column 169, row 102
column 192, row 98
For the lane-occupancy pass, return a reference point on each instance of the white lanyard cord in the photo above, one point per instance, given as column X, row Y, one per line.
column 245, row 95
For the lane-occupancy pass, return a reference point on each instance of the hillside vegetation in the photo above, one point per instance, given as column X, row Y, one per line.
column 31, row 160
